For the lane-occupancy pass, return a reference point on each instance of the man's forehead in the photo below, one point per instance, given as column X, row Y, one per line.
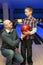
column 7, row 21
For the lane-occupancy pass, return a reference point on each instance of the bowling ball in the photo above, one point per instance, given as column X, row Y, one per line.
column 25, row 28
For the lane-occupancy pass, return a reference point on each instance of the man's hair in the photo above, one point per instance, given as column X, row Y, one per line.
column 29, row 7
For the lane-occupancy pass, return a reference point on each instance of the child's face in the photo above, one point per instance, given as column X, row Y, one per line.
column 28, row 12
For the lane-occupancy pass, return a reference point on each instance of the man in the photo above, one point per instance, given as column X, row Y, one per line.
column 27, row 36
column 10, row 43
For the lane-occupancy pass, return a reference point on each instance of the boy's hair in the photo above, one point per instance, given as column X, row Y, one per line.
column 29, row 7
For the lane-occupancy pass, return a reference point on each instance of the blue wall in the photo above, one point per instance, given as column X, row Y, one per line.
column 21, row 4
column 19, row 13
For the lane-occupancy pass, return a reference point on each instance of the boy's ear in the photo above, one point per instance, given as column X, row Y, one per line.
column 31, row 12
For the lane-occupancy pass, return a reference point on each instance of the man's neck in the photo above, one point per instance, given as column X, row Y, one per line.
column 9, row 30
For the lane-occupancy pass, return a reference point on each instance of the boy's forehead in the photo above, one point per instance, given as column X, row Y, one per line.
column 27, row 9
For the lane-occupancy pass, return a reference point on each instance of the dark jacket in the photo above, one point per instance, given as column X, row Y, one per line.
column 10, row 40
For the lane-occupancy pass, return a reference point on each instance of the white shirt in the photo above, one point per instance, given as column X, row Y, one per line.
column 9, row 30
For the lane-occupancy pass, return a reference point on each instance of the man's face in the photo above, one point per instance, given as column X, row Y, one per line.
column 28, row 12
column 8, row 24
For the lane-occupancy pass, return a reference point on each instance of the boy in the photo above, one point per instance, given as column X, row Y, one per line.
column 27, row 36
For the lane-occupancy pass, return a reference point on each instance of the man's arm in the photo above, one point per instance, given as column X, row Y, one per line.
column 9, row 40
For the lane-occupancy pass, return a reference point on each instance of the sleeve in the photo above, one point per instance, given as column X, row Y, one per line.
column 17, row 46
column 10, row 41
column 34, row 23
column 34, row 29
column 24, row 21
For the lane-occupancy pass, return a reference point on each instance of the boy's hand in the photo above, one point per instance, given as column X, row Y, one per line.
column 23, row 36
column 26, row 33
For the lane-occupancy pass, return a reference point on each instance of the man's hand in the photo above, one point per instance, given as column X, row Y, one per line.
column 17, row 50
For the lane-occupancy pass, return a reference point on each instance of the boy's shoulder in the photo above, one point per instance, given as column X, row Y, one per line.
column 30, row 18
column 34, row 18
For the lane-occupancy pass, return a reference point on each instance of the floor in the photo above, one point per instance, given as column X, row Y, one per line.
column 37, row 52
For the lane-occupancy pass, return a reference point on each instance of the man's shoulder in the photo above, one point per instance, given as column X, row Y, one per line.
column 4, row 32
column 14, row 30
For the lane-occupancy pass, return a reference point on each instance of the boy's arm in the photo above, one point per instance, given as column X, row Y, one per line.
column 33, row 31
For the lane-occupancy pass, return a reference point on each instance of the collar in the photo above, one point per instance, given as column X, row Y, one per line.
column 30, row 18
column 8, row 30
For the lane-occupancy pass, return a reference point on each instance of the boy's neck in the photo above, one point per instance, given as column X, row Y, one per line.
column 29, row 16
